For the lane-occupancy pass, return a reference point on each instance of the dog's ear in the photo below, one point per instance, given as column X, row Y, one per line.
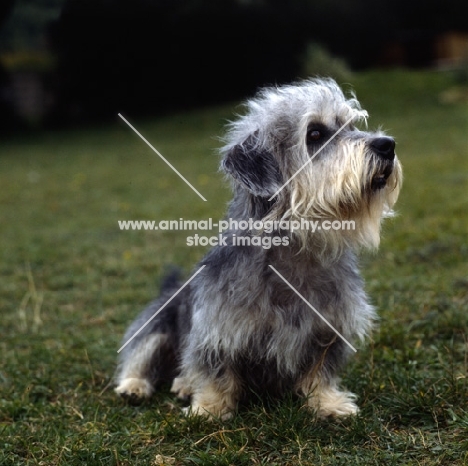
column 254, row 167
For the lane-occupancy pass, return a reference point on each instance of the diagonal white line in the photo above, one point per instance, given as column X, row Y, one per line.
column 158, row 153
column 161, row 308
column 313, row 308
column 311, row 158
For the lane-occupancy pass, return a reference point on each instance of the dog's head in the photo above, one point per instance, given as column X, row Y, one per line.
column 298, row 151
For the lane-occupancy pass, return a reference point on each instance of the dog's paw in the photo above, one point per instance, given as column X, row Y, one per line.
column 198, row 410
column 333, row 403
column 181, row 388
column 215, row 399
column 341, row 409
column 134, row 390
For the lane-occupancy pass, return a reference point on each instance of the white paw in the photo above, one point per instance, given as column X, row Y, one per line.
column 181, row 388
column 331, row 402
column 198, row 410
column 345, row 408
column 135, row 389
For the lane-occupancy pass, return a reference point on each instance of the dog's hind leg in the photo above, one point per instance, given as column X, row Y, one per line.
column 136, row 376
column 149, row 354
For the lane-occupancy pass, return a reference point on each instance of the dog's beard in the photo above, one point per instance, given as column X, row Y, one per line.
column 354, row 185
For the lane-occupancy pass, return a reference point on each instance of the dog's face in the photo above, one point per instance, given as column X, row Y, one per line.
column 299, row 147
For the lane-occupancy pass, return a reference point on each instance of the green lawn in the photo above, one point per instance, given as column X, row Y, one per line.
column 70, row 282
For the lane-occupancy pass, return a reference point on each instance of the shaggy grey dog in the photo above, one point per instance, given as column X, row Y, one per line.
column 280, row 318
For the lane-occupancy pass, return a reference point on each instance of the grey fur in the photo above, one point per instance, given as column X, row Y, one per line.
column 238, row 327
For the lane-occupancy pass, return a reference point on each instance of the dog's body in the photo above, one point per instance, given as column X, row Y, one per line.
column 238, row 326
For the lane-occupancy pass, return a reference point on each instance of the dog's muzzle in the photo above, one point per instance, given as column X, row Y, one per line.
column 384, row 149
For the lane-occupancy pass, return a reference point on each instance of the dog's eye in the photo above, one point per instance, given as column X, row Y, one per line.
column 315, row 135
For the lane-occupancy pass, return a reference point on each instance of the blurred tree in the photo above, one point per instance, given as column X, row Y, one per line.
column 7, row 117
column 153, row 55
column 5, row 8
column 26, row 27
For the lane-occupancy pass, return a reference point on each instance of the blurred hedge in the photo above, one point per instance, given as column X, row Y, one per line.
column 153, row 56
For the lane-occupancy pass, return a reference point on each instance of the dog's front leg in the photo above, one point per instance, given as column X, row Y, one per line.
column 215, row 397
column 324, row 397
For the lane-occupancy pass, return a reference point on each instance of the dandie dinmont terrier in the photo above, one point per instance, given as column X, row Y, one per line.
column 282, row 318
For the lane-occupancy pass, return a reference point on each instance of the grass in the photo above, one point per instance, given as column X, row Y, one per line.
column 71, row 282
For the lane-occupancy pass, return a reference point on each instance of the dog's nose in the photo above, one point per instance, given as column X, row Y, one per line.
column 384, row 147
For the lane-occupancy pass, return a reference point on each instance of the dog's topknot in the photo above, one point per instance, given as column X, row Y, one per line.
column 274, row 111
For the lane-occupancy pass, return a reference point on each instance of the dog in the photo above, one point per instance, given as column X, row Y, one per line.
column 277, row 320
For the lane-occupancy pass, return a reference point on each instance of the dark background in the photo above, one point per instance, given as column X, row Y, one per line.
column 84, row 60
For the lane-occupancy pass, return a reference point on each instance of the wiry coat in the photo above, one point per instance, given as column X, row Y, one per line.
column 238, row 326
